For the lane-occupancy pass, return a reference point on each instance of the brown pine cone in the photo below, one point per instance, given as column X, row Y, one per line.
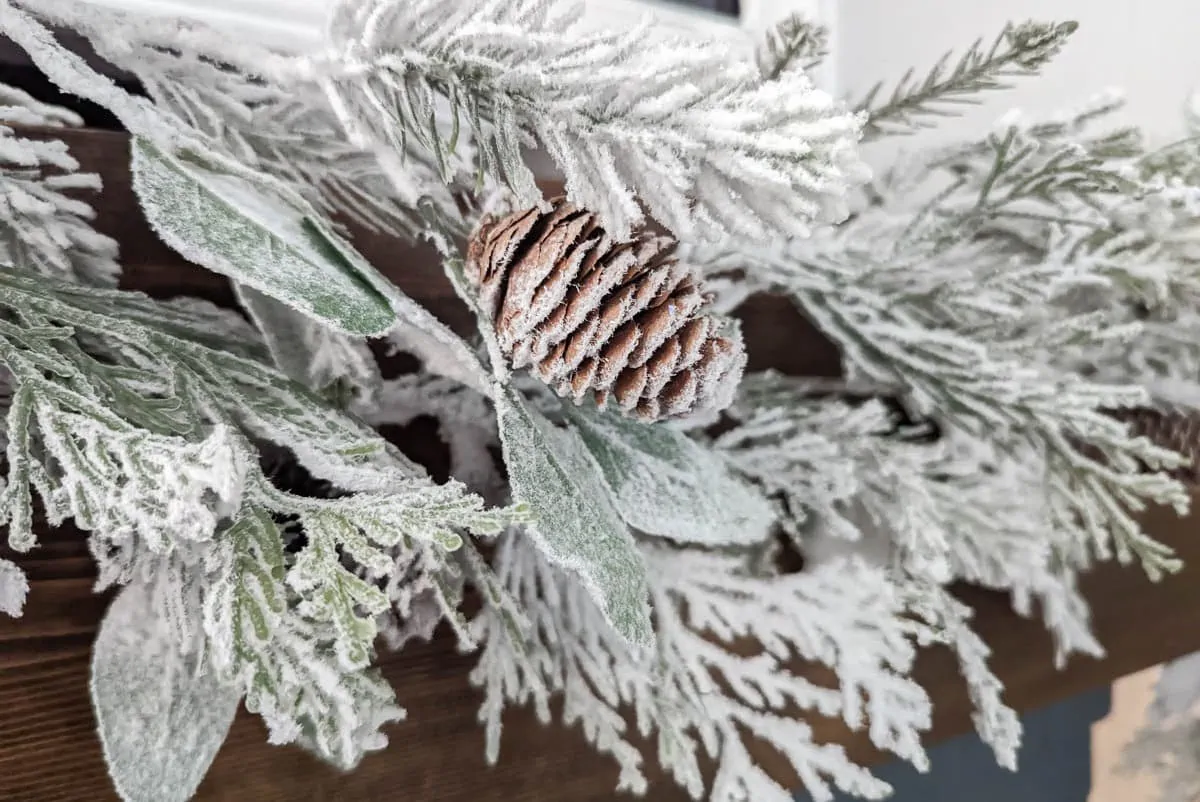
column 586, row 314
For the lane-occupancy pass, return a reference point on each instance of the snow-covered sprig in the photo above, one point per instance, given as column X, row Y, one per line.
column 425, row 590
column 1018, row 51
column 936, row 305
column 44, row 226
column 950, row 622
column 18, row 107
column 1077, row 197
column 296, row 632
column 685, row 128
column 795, row 43
column 806, row 452
column 1073, row 125
column 699, row 696
column 1024, row 550
column 286, row 131
column 1180, row 159
column 929, row 506
column 1131, row 229
column 14, row 587
column 931, row 503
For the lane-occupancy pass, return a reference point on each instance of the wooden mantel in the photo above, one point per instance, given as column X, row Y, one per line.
column 48, row 747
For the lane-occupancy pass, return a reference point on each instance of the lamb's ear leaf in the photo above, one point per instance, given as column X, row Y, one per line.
column 577, row 526
column 161, row 720
column 250, row 231
column 666, row 484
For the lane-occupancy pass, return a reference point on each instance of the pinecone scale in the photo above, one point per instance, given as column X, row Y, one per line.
column 622, row 321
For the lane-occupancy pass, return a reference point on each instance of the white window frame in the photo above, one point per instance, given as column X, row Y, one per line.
column 296, row 24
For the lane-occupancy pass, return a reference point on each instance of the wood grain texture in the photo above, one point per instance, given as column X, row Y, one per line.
column 48, row 747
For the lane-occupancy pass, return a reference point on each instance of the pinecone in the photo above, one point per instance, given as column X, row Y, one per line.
column 586, row 314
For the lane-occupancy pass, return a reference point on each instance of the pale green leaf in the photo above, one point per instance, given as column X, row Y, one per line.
column 577, row 526
column 664, row 483
column 282, row 330
column 253, row 234
column 337, row 367
column 161, row 721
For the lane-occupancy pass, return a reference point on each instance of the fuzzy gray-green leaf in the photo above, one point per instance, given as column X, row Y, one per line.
column 254, row 235
column 663, row 483
column 161, row 721
column 577, row 526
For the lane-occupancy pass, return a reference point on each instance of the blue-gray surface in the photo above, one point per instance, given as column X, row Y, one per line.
column 1055, row 761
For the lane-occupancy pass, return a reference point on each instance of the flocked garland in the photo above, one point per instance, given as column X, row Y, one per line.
column 994, row 303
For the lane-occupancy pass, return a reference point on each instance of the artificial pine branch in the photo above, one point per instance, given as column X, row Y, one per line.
column 44, row 226
column 1133, row 226
column 795, row 43
column 729, row 152
column 1019, row 51
column 926, row 300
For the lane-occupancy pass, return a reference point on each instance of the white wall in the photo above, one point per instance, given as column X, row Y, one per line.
column 1148, row 48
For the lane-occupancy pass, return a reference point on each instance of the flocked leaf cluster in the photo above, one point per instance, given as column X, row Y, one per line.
column 151, row 450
